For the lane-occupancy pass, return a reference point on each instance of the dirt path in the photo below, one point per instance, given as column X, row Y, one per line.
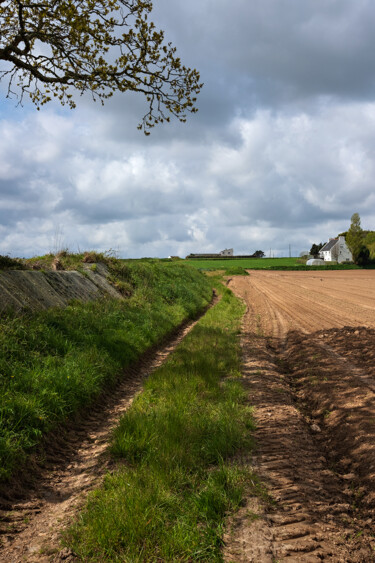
column 33, row 515
column 313, row 386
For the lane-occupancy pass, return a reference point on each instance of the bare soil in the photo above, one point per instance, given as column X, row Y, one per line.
column 35, row 509
column 308, row 354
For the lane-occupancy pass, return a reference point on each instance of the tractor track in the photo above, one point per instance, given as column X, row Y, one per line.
column 35, row 510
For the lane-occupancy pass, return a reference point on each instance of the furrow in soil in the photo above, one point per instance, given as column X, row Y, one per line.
column 315, row 434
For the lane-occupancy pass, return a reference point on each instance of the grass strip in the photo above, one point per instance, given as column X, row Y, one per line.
column 57, row 361
column 177, row 480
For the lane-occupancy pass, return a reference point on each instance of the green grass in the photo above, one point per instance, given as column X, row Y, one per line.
column 263, row 264
column 54, row 362
column 236, row 271
column 246, row 263
column 69, row 260
column 178, row 480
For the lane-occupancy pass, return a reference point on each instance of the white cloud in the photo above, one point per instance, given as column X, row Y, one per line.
column 281, row 151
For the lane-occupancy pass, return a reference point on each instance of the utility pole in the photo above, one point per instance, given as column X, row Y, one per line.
column 290, row 251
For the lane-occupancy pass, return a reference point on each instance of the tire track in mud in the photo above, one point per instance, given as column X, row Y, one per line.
column 317, row 469
column 34, row 512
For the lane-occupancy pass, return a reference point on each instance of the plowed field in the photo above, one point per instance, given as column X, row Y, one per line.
column 308, row 351
column 307, row 301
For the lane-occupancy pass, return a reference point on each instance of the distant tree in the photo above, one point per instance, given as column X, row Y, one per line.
column 258, row 254
column 370, row 243
column 354, row 237
column 314, row 250
column 96, row 46
column 363, row 256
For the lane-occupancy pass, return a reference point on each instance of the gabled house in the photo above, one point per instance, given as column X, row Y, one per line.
column 226, row 252
column 336, row 250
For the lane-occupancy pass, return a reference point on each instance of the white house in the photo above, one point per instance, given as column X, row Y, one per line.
column 227, row 252
column 336, row 250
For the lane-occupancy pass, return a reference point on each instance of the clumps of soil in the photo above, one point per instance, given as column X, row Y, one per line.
column 356, row 344
column 313, row 392
column 314, row 511
column 333, row 375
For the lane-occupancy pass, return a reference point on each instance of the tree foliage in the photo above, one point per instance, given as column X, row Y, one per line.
column 370, row 243
column 354, row 237
column 52, row 47
column 363, row 256
column 315, row 249
column 258, row 254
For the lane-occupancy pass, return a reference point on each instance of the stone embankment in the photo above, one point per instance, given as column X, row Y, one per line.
column 37, row 290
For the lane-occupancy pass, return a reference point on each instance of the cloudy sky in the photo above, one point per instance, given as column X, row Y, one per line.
column 280, row 153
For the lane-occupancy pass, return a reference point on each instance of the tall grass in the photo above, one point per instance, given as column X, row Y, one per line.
column 54, row 362
column 169, row 501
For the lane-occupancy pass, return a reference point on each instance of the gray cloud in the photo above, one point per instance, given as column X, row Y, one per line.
column 281, row 151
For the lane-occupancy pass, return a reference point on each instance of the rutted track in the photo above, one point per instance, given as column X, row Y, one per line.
column 315, row 413
column 33, row 514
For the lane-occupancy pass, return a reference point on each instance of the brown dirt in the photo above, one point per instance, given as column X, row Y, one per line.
column 34, row 512
column 308, row 353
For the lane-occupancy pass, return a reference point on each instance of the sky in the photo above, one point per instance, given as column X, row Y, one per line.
column 278, row 157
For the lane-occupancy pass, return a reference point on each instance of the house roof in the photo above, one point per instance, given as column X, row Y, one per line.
column 330, row 244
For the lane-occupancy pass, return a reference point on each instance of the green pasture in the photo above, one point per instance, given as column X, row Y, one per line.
column 238, row 266
column 246, row 263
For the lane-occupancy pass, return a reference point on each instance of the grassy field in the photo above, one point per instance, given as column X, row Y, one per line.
column 261, row 264
column 54, row 362
column 178, row 480
column 242, row 263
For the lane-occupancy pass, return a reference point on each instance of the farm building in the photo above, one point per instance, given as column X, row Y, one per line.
column 226, row 252
column 336, row 250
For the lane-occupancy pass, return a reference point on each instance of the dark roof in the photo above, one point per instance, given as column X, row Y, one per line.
column 330, row 244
